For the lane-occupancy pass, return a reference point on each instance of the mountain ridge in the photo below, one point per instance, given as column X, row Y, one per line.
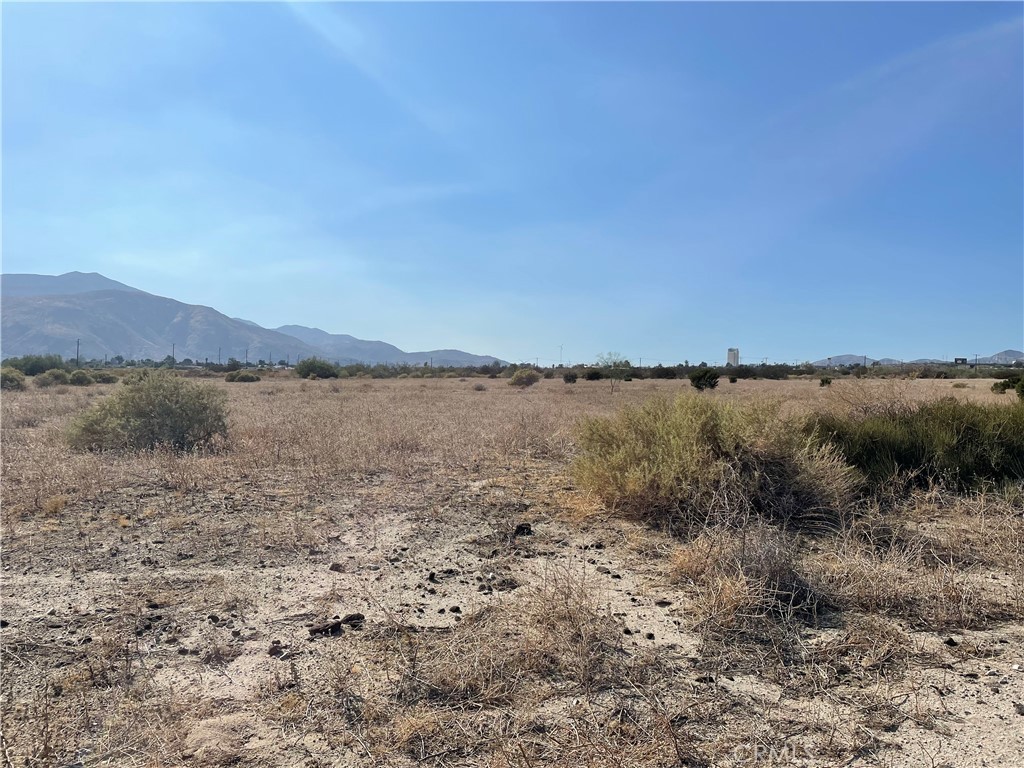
column 53, row 313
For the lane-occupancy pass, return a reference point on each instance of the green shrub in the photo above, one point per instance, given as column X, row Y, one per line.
column 733, row 379
column 104, row 377
column 825, row 381
column 570, row 377
column 959, row 443
column 1019, row 389
column 704, row 378
column 524, row 377
column 80, row 378
column 592, row 375
column 52, row 378
column 242, row 376
column 1000, row 387
column 33, row 365
column 478, row 387
column 12, row 380
column 696, row 460
column 159, row 409
column 315, row 367
column 959, row 385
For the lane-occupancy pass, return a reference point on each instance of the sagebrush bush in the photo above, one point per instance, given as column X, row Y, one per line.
column 52, row 378
column 825, row 381
column 962, row 444
column 569, row 378
column 158, row 409
column 242, row 376
column 524, row 377
column 695, row 460
column 12, row 380
column 104, row 377
column 314, row 367
column 80, row 378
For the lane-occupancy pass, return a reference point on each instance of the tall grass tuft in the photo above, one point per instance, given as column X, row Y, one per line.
column 695, row 460
column 961, row 444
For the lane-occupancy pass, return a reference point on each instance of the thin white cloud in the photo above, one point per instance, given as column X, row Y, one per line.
column 367, row 54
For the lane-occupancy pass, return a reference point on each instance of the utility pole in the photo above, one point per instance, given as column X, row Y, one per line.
column 218, row 355
column 78, row 358
column 559, row 355
column 172, row 356
column 246, row 357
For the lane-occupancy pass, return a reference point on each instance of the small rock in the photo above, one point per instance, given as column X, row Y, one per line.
column 951, row 641
column 336, row 567
column 649, row 635
column 327, row 629
column 455, row 609
column 663, row 603
column 1019, row 707
column 523, row 529
column 354, row 620
column 603, row 569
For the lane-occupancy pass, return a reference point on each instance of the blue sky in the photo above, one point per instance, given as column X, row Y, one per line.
column 660, row 180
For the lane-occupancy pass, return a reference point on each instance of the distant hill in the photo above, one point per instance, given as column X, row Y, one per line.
column 342, row 346
column 136, row 325
column 843, row 360
column 1006, row 357
column 49, row 313
column 58, row 285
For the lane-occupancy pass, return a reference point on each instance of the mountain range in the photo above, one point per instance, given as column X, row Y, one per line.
column 52, row 313
column 1006, row 357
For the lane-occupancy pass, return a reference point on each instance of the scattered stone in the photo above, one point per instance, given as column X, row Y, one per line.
column 354, row 620
column 603, row 569
column 663, row 603
column 336, row 567
column 649, row 635
column 4, row 623
column 952, row 642
column 331, row 628
column 1019, row 707
column 455, row 609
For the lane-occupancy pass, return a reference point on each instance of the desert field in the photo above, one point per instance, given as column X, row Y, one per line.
column 408, row 572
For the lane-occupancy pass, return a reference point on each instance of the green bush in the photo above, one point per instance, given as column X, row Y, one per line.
column 733, row 379
column 524, row 377
column 12, row 380
column 104, row 377
column 593, row 375
column 962, row 444
column 33, row 365
column 1019, row 389
column 242, row 376
column 570, row 377
column 1000, row 387
column 52, row 378
column 696, row 460
column 825, row 381
column 315, row 367
column 159, row 409
column 704, row 378
column 80, row 378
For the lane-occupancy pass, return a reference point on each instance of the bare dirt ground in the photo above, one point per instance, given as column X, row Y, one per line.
column 403, row 572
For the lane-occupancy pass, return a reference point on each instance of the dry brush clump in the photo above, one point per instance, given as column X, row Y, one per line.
column 159, row 409
column 695, row 461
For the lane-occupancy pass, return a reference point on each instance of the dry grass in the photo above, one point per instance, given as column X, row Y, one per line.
column 158, row 606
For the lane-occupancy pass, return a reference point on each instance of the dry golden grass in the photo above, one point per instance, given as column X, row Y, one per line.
column 158, row 607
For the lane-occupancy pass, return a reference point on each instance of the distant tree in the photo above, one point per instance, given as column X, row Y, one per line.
column 704, row 378
column 314, row 366
column 33, row 365
column 569, row 378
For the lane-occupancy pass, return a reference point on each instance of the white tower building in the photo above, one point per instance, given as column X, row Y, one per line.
column 734, row 356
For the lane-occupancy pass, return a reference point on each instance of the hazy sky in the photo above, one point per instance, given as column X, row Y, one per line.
column 661, row 180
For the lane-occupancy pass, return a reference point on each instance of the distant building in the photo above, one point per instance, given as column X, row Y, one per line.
column 734, row 356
